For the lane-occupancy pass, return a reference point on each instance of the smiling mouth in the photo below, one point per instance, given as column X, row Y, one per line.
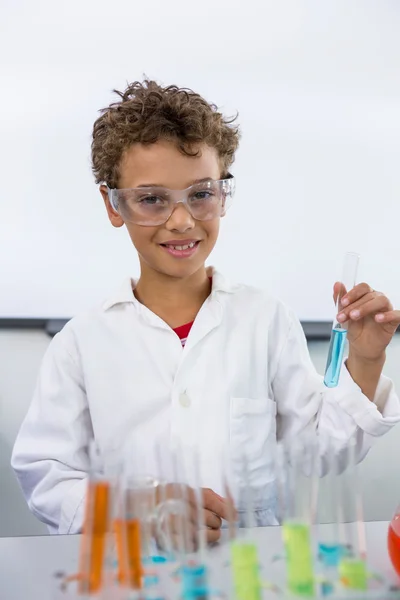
column 181, row 250
column 181, row 247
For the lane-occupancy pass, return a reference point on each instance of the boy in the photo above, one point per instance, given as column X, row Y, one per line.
column 181, row 351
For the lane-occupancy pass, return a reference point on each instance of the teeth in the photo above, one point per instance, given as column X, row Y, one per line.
column 186, row 247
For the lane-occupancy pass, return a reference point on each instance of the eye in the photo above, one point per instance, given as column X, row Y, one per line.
column 202, row 195
column 151, row 200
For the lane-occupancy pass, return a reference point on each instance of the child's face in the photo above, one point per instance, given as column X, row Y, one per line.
column 162, row 164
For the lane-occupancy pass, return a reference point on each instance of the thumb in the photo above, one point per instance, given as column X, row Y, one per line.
column 338, row 288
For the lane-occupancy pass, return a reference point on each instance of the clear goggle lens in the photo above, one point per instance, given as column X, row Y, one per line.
column 152, row 206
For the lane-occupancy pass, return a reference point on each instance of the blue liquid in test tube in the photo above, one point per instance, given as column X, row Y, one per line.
column 330, row 554
column 335, row 357
column 339, row 331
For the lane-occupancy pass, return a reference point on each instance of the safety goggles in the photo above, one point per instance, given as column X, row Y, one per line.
column 150, row 206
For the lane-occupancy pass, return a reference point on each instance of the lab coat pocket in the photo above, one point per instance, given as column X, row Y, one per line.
column 252, row 427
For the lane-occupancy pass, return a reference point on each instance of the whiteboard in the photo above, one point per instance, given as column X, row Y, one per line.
column 317, row 88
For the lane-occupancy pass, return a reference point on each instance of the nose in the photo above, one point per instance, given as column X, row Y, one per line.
column 180, row 220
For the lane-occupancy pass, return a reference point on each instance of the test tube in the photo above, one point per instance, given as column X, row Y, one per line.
column 170, row 502
column 328, row 498
column 329, row 548
column 129, row 535
column 96, row 528
column 296, row 474
column 339, row 330
column 192, row 545
column 134, row 526
column 352, row 563
column 152, row 502
column 239, row 496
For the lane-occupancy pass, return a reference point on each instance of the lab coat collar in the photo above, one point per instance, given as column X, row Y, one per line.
column 125, row 293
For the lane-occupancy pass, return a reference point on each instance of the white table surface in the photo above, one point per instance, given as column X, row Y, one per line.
column 28, row 563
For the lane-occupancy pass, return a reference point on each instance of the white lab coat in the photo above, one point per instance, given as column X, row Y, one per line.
column 244, row 379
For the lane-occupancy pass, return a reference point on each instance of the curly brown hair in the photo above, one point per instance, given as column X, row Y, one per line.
column 147, row 112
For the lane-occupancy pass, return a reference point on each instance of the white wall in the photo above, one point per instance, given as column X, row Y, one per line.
column 21, row 353
column 317, row 90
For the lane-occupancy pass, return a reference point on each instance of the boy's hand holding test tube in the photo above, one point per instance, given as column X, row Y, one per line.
column 371, row 323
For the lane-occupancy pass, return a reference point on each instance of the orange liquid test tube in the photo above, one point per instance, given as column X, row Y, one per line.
column 128, row 540
column 94, row 539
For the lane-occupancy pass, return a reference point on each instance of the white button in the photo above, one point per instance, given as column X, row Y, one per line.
column 184, row 400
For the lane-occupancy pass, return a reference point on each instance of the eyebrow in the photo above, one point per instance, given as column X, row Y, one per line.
column 148, row 185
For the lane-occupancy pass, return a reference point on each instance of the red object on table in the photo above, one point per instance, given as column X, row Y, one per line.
column 394, row 542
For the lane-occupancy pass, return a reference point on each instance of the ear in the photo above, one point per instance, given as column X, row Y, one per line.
column 115, row 219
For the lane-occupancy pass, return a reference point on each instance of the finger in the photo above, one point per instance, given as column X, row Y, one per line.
column 208, row 518
column 194, row 502
column 212, row 520
column 215, row 503
column 213, row 535
column 369, row 304
column 356, row 293
column 189, row 494
column 338, row 288
column 391, row 317
column 232, row 513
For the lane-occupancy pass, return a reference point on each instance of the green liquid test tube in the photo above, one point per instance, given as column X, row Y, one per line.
column 299, row 561
column 353, row 574
column 245, row 568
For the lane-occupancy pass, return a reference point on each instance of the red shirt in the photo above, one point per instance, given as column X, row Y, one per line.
column 183, row 331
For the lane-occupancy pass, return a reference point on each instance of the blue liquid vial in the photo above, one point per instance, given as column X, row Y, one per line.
column 335, row 357
column 330, row 554
column 194, row 582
